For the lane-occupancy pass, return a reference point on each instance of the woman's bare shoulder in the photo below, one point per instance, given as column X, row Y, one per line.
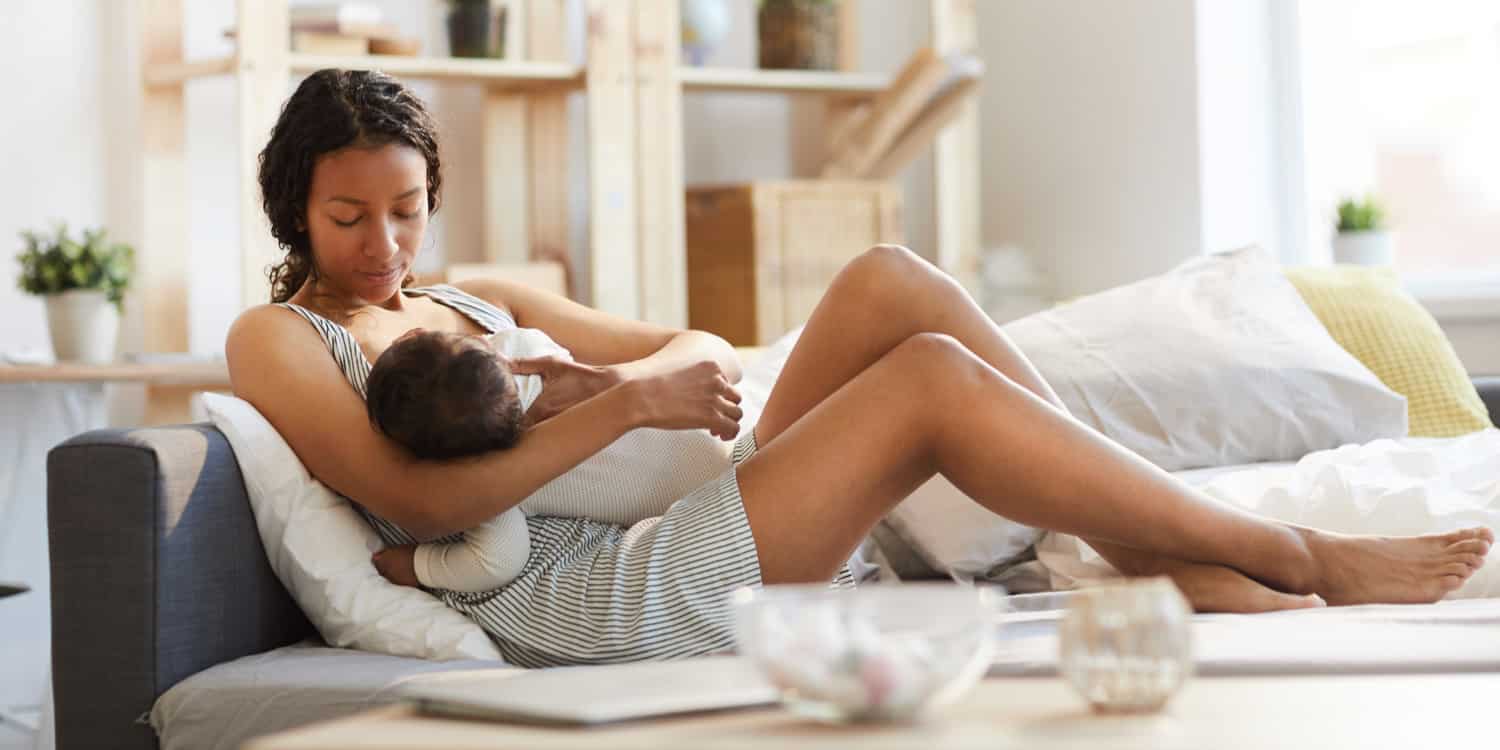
column 498, row 292
column 262, row 328
column 279, row 363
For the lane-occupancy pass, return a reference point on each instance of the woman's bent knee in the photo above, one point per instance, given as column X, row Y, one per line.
column 936, row 358
column 878, row 271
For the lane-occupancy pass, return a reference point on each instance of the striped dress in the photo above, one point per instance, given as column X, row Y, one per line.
column 593, row 592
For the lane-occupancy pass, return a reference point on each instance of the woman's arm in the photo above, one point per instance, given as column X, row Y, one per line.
column 278, row 363
column 633, row 348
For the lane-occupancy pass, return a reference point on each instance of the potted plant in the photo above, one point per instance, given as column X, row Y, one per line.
column 84, row 282
column 1361, row 237
column 475, row 28
column 798, row 34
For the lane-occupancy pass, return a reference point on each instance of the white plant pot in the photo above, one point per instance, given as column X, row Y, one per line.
column 84, row 324
column 1370, row 248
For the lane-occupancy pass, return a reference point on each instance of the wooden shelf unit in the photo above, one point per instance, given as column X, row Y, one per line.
column 633, row 81
column 749, row 80
column 518, row 75
column 208, row 374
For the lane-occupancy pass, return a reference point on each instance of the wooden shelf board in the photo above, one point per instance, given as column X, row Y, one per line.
column 208, row 374
column 177, row 73
column 506, row 73
column 782, row 81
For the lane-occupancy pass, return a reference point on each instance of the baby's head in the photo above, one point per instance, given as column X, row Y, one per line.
column 444, row 395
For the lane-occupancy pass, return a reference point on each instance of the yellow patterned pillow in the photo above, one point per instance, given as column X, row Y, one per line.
column 1374, row 319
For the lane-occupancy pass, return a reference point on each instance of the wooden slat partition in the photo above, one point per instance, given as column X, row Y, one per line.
column 613, row 166
column 956, row 179
column 162, row 273
column 660, row 203
column 547, row 134
column 262, row 76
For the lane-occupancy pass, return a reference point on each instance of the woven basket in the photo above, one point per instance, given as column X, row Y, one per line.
column 799, row 34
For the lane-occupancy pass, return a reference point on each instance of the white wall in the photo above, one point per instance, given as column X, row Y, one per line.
column 1237, row 136
column 52, row 140
column 1090, row 136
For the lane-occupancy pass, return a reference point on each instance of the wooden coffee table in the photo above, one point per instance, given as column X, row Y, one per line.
column 1435, row 711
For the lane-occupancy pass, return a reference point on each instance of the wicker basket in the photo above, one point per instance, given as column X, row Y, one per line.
column 799, row 34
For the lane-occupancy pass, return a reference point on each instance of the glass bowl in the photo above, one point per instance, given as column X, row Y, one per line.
column 1126, row 648
column 877, row 653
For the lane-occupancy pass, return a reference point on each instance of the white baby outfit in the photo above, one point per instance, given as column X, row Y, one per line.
column 636, row 477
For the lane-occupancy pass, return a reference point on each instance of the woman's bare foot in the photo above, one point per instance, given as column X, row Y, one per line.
column 1215, row 588
column 1394, row 570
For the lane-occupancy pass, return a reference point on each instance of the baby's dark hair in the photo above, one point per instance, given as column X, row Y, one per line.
column 442, row 397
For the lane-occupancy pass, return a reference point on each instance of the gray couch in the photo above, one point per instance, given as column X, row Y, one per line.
column 158, row 574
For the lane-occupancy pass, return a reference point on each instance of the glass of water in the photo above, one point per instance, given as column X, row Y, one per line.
column 1127, row 648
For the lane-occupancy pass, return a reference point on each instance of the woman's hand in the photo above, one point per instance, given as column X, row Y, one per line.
column 564, row 384
column 398, row 564
column 697, row 396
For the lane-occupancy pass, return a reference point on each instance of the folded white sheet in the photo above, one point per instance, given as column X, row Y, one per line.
column 1396, row 487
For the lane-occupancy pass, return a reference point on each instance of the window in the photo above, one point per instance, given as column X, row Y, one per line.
column 1402, row 100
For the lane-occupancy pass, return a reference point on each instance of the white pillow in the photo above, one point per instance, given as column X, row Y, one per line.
column 1216, row 362
column 320, row 548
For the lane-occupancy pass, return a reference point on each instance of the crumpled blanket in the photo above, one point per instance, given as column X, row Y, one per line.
column 1393, row 487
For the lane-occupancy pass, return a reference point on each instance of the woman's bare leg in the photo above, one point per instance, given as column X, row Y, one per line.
column 889, row 294
column 903, row 293
column 929, row 406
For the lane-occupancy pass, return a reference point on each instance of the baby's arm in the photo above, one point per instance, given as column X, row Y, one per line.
column 489, row 556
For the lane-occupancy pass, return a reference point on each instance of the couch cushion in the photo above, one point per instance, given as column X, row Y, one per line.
column 1381, row 324
column 227, row 705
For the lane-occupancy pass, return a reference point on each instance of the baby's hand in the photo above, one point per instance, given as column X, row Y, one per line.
column 398, row 564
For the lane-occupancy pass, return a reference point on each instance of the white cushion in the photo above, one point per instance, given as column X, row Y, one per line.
column 1216, row 362
column 320, row 548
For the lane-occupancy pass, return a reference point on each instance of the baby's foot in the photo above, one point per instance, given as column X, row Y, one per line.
column 1395, row 570
column 1215, row 588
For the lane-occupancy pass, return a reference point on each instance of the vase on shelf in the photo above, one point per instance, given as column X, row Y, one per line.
column 705, row 24
column 83, row 324
column 798, row 34
column 1372, row 247
column 476, row 29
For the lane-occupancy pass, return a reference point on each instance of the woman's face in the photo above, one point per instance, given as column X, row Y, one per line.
column 366, row 216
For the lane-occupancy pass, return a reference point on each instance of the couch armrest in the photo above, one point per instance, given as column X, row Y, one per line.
column 1489, row 392
column 157, row 573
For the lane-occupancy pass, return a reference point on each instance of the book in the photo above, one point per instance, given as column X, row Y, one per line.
column 323, row 43
column 334, row 16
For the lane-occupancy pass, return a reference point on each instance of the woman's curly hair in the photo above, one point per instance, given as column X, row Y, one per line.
column 333, row 109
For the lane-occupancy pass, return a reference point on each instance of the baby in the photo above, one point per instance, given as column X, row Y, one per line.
column 447, row 395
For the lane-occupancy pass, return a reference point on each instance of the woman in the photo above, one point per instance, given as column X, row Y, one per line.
column 866, row 409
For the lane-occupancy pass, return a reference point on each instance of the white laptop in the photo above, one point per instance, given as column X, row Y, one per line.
column 593, row 695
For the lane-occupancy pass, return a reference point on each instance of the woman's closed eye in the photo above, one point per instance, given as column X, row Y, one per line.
column 356, row 220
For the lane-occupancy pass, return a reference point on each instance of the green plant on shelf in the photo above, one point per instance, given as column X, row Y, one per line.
column 56, row 263
column 1360, row 215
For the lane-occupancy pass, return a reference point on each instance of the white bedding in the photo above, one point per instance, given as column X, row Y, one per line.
column 1405, row 486
column 1447, row 637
